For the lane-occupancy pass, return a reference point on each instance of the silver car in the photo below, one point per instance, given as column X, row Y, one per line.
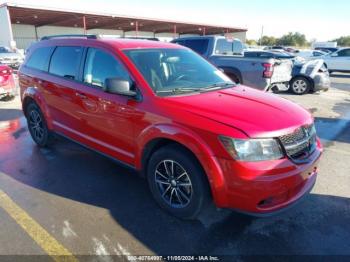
column 10, row 58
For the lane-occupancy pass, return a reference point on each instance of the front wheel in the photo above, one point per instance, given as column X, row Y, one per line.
column 177, row 182
column 300, row 85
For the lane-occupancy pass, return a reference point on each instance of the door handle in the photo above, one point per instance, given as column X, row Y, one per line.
column 81, row 95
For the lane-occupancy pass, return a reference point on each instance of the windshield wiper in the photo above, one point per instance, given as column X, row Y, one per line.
column 180, row 90
column 218, row 86
column 196, row 89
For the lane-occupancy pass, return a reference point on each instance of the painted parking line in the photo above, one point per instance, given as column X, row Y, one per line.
column 48, row 243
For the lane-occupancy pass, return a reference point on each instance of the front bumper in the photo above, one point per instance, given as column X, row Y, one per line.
column 264, row 188
column 13, row 65
column 8, row 90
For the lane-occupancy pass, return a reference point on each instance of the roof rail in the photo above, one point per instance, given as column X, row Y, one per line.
column 69, row 36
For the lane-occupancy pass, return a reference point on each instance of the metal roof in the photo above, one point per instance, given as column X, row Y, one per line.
column 42, row 16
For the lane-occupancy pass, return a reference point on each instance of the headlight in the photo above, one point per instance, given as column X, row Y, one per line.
column 252, row 149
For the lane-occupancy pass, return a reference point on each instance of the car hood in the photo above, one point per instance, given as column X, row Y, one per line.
column 256, row 113
column 10, row 55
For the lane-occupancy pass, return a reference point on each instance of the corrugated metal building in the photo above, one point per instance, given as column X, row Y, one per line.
column 21, row 25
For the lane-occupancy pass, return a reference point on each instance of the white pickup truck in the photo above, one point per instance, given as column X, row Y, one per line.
column 262, row 73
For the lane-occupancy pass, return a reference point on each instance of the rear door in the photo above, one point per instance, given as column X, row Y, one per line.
column 60, row 94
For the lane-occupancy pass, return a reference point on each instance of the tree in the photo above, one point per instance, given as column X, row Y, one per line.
column 292, row 39
column 343, row 41
column 267, row 40
column 251, row 42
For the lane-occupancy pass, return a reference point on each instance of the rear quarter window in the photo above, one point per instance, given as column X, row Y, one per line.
column 65, row 61
column 40, row 58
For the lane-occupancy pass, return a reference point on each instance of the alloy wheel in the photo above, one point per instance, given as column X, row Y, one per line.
column 173, row 183
column 36, row 125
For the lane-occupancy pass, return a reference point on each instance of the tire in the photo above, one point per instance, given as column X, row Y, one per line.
column 234, row 78
column 300, row 85
column 37, row 125
column 185, row 201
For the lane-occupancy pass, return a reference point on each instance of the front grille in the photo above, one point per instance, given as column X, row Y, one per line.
column 301, row 143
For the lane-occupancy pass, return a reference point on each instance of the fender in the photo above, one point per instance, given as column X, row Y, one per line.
column 233, row 70
column 34, row 94
column 192, row 142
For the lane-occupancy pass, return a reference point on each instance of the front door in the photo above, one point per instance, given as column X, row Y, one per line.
column 107, row 119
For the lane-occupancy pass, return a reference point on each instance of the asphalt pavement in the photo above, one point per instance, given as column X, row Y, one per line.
column 69, row 200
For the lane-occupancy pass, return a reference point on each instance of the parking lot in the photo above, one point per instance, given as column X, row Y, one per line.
column 69, row 200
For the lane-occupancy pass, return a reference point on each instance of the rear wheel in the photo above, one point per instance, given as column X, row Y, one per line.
column 37, row 125
column 234, row 78
column 300, row 85
column 177, row 182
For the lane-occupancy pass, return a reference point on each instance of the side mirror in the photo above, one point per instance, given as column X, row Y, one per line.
column 334, row 54
column 119, row 86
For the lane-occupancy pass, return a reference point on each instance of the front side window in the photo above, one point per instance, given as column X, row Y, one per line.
column 344, row 52
column 40, row 58
column 170, row 70
column 99, row 66
column 65, row 61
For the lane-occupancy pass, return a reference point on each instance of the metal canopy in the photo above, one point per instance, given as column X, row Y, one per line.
column 44, row 17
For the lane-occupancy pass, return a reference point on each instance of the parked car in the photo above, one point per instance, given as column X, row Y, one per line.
column 228, row 55
column 310, row 54
column 7, row 83
column 281, row 48
column 327, row 49
column 166, row 112
column 307, row 77
column 338, row 61
column 10, row 58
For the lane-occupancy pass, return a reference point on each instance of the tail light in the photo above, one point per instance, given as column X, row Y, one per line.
column 268, row 70
column 5, row 75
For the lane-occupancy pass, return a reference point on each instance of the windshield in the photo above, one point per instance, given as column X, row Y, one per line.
column 170, row 71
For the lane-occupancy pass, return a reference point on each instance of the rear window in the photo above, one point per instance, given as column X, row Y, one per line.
column 65, row 61
column 225, row 47
column 40, row 58
column 199, row 45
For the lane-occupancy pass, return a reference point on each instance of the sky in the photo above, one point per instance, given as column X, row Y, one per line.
column 320, row 20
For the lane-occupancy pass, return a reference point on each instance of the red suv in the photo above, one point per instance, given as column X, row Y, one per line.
column 168, row 113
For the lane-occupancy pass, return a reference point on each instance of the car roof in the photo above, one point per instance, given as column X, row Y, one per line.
column 118, row 43
column 200, row 37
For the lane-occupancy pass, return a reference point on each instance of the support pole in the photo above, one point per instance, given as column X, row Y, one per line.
column 174, row 31
column 36, row 33
column 84, row 24
column 204, row 30
column 137, row 28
